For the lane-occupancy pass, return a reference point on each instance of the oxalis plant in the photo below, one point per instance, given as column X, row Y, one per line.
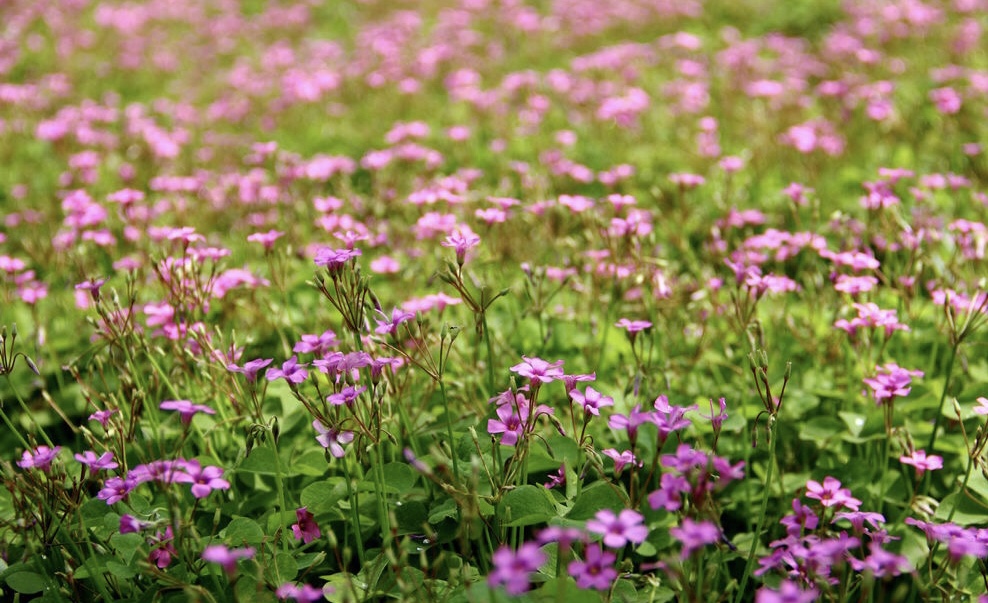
column 479, row 301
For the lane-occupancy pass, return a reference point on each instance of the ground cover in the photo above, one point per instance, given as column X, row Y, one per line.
column 644, row 300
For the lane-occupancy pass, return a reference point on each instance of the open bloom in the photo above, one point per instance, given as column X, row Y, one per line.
column 306, row 529
column 596, row 570
column 538, row 370
column 186, row 409
column 226, row 557
column 619, row 530
column 203, row 479
column 39, row 458
column 512, row 568
column 290, row 370
column 921, row 462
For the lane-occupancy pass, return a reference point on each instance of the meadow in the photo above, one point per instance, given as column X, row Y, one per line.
column 491, row 300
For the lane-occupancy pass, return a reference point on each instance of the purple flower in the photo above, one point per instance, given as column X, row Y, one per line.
column 621, row 459
column 316, row 344
column 306, row 529
column 462, row 242
column 39, row 458
column 556, row 479
column 789, row 592
column 226, row 557
column 345, row 396
column 203, row 479
column 102, row 417
column 335, row 259
column 304, row 593
column 695, row 535
column 389, row 326
column 619, row 530
column 882, row 563
column 291, row 370
column 162, row 549
column 538, row 370
column 596, row 570
column 512, row 568
column 891, row 381
column 830, row 494
column 630, row 422
column 101, row 463
column 186, row 409
column 592, row 401
column 921, row 462
column 251, row 369
column 563, row 536
column 633, row 326
column 332, row 439
column 717, row 420
column 670, row 492
column 130, row 524
column 116, row 489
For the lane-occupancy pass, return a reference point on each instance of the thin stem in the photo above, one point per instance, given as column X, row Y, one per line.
column 761, row 516
column 943, row 397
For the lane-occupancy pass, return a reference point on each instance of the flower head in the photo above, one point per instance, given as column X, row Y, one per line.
column 39, row 458
column 596, row 570
column 186, row 409
column 512, row 568
column 226, row 557
column 619, row 530
column 306, row 529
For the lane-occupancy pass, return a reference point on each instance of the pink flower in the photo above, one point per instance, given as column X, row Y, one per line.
column 538, row 370
column 619, row 530
column 39, row 458
column 332, row 439
column 186, row 409
column 633, row 326
column 982, row 407
column 203, row 479
column 830, row 494
column 592, row 401
column 162, row 549
column 266, row 239
column 695, row 535
column 891, row 381
column 596, row 570
column 304, row 593
column 101, row 463
column 921, row 462
column 290, row 370
column 226, row 557
column 512, row 568
column 462, row 241
column 306, row 529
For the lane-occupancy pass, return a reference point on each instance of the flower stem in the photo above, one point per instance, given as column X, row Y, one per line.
column 761, row 517
column 943, row 397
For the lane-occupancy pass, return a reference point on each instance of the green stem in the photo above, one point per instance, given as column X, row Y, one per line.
column 756, row 535
column 943, row 398
column 449, row 428
column 490, row 355
column 279, row 476
column 352, row 496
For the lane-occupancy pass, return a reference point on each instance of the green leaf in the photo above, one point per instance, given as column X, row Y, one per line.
column 400, row 476
column 262, row 461
column 126, row 545
column 565, row 589
column 243, row 531
column 311, row 463
column 962, row 509
column 526, row 505
column 283, row 570
column 323, row 496
column 595, row 497
column 444, row 510
column 821, row 429
column 25, row 582
column 412, row 517
column 121, row 570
